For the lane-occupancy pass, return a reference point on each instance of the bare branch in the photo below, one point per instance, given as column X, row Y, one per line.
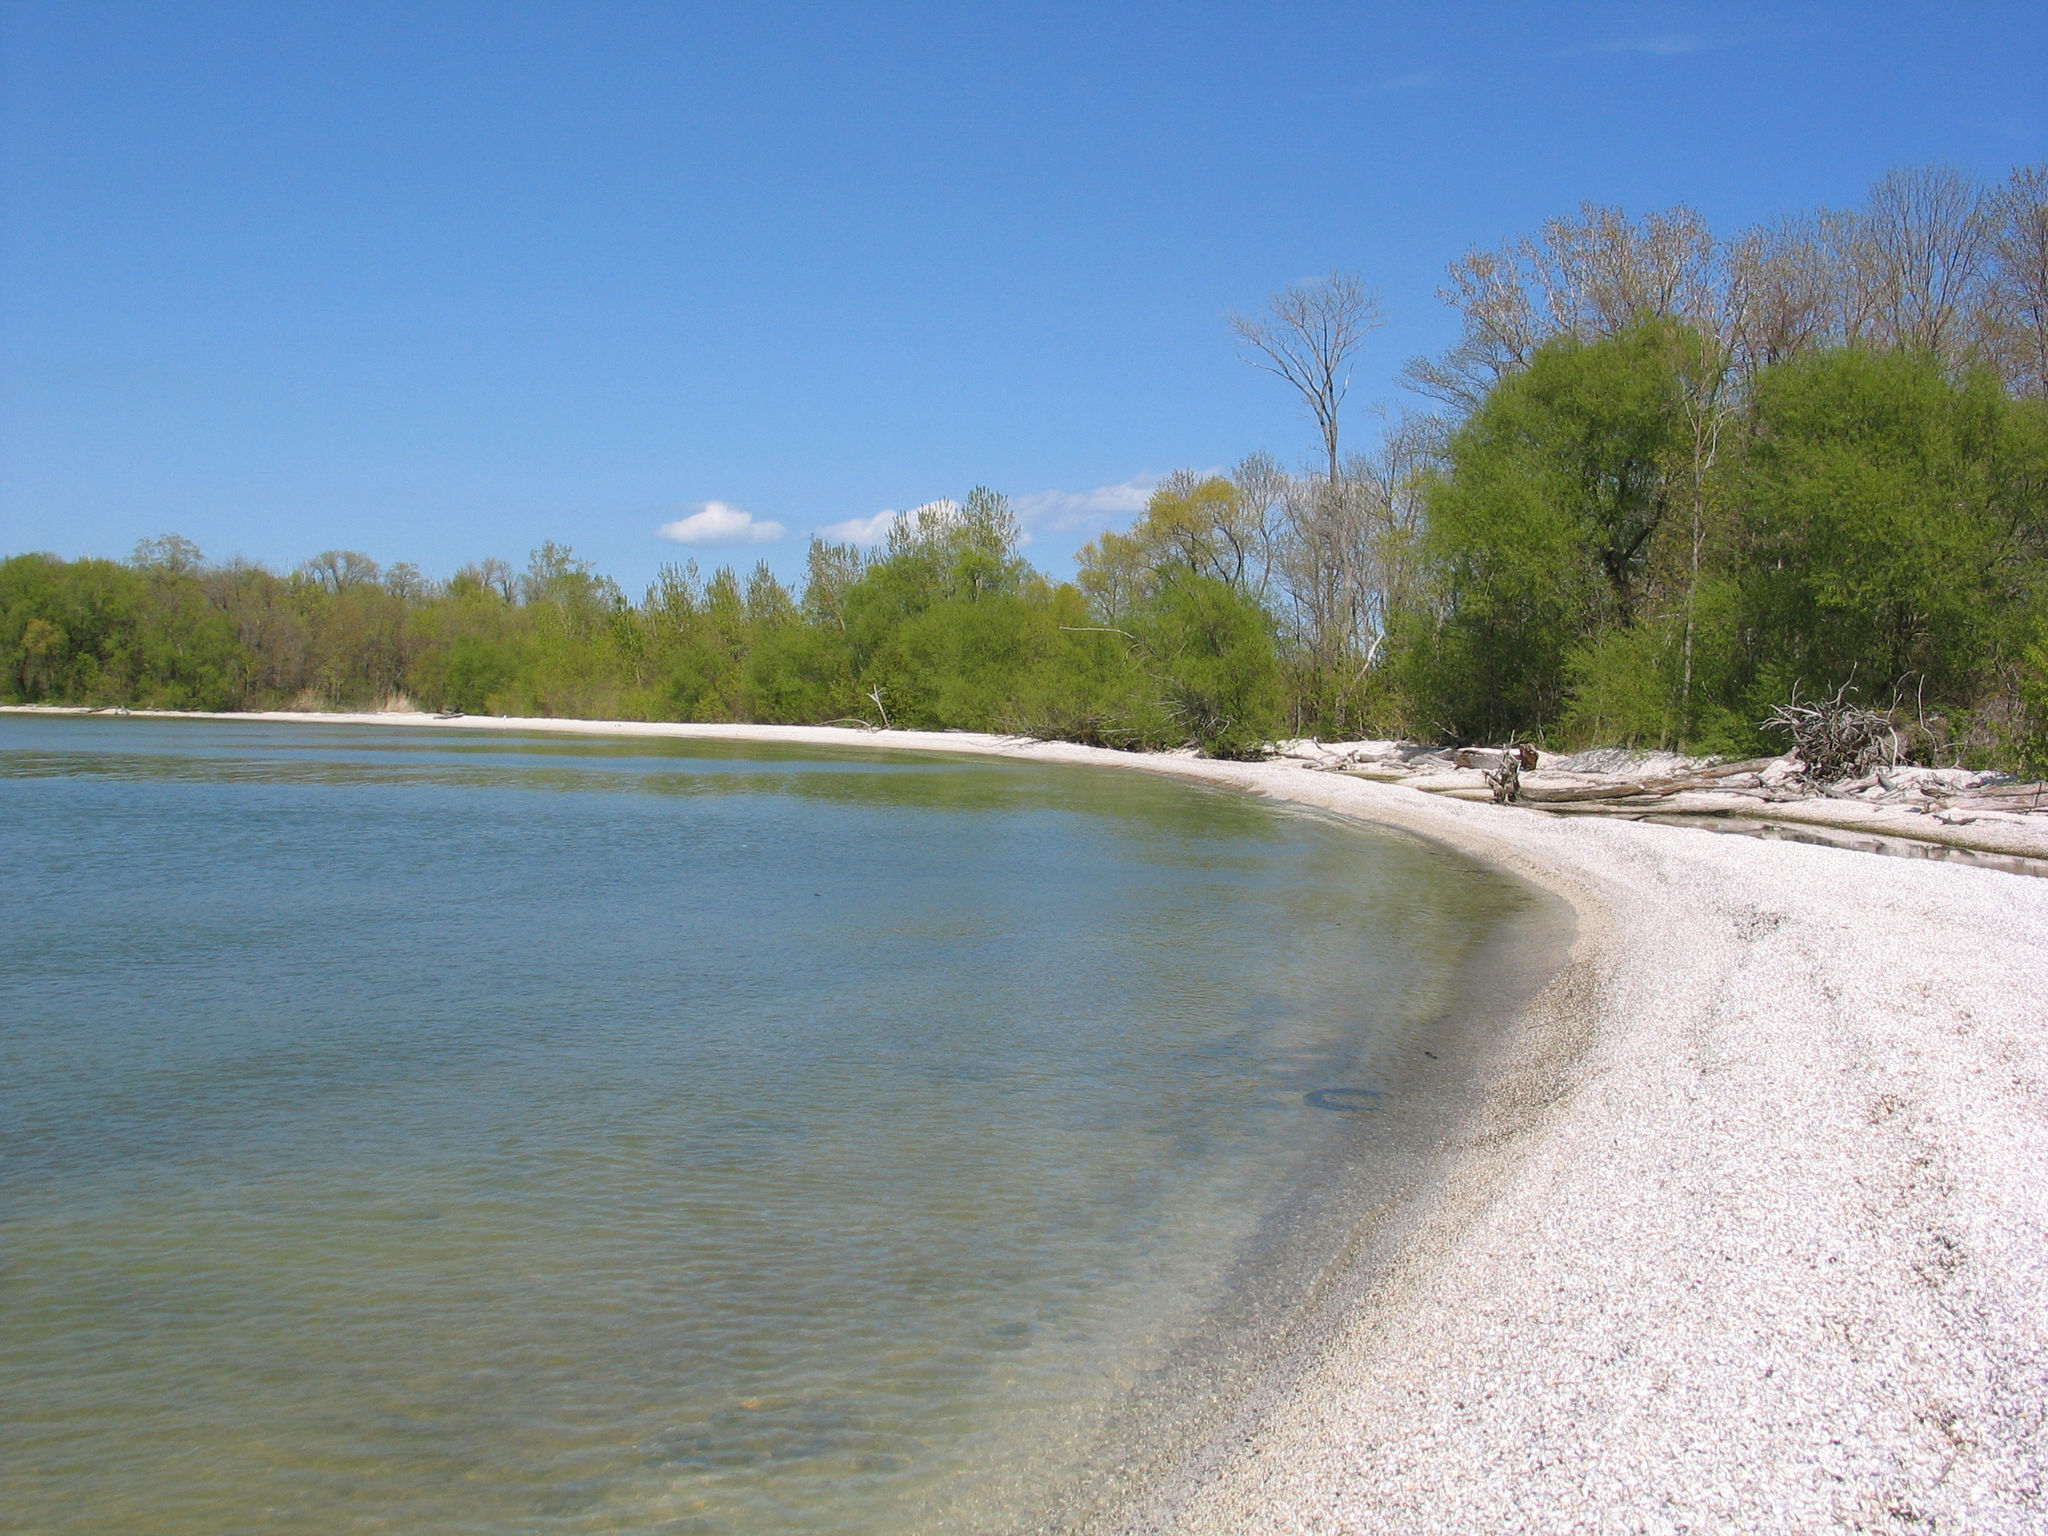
column 2019, row 296
column 1924, row 243
column 1308, row 337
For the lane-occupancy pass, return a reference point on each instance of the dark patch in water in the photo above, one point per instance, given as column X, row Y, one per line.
column 1343, row 1098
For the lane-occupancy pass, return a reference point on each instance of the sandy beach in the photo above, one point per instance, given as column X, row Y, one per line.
column 1752, row 1234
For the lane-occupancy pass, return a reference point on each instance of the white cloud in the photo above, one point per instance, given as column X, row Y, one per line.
column 1064, row 511
column 875, row 530
column 860, row 530
column 718, row 523
column 1040, row 512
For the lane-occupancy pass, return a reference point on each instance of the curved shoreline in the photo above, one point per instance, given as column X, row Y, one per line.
column 1329, row 1247
column 1752, row 1235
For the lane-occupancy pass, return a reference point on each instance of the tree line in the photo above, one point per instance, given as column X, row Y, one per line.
column 947, row 626
column 1670, row 481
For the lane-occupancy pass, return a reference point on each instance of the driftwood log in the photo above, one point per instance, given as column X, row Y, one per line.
column 1714, row 778
column 1517, row 775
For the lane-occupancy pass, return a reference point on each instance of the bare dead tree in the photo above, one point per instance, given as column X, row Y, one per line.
column 1705, row 371
column 2019, row 249
column 493, row 575
column 1348, row 559
column 340, row 569
column 1931, row 262
column 1261, row 483
column 1308, row 336
column 1326, row 571
column 1391, row 485
column 1589, row 276
column 1602, row 272
column 1502, row 332
column 1786, row 282
column 1924, row 246
column 407, row 581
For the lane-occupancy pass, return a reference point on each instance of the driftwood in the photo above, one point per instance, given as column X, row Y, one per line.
column 1713, row 777
column 1730, row 770
column 1490, row 757
column 1506, row 780
column 1835, row 739
column 2028, row 795
column 1517, row 775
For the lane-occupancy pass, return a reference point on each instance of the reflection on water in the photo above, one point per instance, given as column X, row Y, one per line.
column 433, row 1132
column 1855, row 841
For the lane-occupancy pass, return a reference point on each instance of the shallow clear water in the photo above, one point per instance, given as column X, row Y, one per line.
column 442, row 1132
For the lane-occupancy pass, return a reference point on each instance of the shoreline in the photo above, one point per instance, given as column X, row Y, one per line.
column 1750, row 1231
column 1333, row 1242
column 2009, row 842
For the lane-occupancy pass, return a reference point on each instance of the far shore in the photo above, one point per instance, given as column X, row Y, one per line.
column 1753, row 1236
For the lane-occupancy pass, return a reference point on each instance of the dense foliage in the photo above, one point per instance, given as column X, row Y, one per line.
column 1869, row 522
column 947, row 628
column 1682, row 481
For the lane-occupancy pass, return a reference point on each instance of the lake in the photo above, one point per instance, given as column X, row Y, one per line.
column 437, row 1131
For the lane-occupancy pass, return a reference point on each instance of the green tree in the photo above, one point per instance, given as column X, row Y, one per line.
column 1545, row 527
column 1894, row 527
column 1208, row 649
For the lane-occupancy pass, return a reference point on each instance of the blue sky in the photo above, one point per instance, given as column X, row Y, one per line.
column 436, row 282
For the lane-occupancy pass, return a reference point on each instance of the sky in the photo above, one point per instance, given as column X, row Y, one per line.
column 437, row 282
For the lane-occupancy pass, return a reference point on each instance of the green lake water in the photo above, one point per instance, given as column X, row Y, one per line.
column 447, row 1132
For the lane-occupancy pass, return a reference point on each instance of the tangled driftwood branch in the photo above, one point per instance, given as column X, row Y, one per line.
column 1835, row 739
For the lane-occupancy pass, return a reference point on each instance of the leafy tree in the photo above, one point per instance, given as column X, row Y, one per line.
column 1209, row 651
column 96, row 632
column 1545, row 525
column 1895, row 525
